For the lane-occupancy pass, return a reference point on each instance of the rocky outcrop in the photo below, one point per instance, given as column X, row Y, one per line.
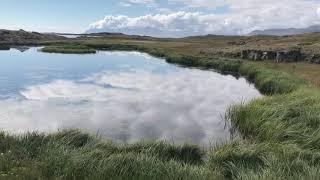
column 236, row 43
column 269, row 55
column 289, row 56
column 278, row 56
column 315, row 58
column 257, row 55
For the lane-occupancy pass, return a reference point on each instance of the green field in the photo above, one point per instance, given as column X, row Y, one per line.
column 280, row 132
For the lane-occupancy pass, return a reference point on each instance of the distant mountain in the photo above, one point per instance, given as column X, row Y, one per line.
column 285, row 32
column 25, row 37
column 105, row 35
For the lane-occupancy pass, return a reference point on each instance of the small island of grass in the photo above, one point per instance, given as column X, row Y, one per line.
column 69, row 49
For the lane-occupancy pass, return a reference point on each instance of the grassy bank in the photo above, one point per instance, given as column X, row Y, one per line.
column 283, row 131
column 69, row 49
column 75, row 155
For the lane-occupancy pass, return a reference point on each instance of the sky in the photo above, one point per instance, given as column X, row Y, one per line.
column 163, row 18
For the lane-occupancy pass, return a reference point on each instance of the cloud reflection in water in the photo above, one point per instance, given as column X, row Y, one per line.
column 134, row 97
column 183, row 106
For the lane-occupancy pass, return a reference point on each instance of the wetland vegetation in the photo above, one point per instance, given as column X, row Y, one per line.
column 280, row 133
column 69, row 49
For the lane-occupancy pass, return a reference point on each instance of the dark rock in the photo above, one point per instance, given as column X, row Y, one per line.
column 244, row 54
column 269, row 55
column 289, row 56
column 237, row 43
column 255, row 55
column 315, row 58
column 280, row 56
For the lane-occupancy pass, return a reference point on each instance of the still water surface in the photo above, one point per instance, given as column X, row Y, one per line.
column 123, row 96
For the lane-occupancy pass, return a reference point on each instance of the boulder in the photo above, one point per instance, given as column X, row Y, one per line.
column 244, row 54
column 258, row 55
column 289, row 56
column 278, row 56
column 315, row 58
column 269, row 55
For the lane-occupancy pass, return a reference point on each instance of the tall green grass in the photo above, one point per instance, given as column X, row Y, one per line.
column 293, row 117
column 72, row 154
column 247, row 159
column 270, row 81
column 283, row 131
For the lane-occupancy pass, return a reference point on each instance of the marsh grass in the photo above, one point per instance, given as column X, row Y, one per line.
column 69, row 49
column 283, row 131
column 292, row 117
column 270, row 81
column 72, row 154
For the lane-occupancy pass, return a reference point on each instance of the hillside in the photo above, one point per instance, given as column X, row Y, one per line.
column 24, row 37
column 303, row 47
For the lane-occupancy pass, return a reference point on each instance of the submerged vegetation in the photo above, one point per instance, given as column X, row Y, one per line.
column 280, row 132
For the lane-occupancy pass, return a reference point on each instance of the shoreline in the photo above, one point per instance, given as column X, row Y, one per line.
column 270, row 130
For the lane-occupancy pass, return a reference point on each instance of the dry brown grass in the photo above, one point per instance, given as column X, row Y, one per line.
column 309, row 43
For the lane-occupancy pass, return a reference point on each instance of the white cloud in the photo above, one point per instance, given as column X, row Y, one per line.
column 164, row 10
column 125, row 4
column 140, row 1
column 241, row 17
column 200, row 3
column 182, row 105
column 128, row 3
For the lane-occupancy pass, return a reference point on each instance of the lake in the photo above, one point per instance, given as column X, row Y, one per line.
column 123, row 96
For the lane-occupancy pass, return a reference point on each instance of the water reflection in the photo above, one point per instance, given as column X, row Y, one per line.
column 22, row 48
column 126, row 102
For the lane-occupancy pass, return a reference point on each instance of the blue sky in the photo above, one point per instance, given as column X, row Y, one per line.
column 185, row 17
column 75, row 15
column 59, row 14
